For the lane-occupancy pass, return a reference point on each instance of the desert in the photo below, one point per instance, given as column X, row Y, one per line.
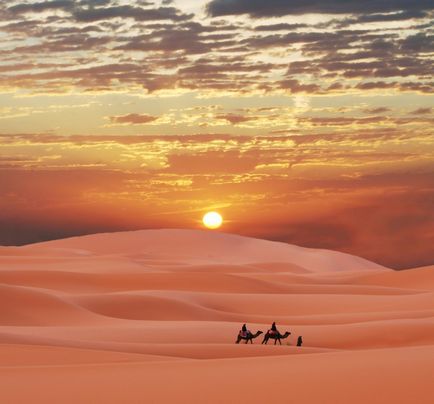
column 153, row 315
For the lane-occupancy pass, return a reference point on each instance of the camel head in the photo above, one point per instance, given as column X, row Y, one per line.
column 286, row 335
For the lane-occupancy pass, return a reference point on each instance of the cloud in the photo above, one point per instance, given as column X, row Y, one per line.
column 192, row 38
column 104, row 44
column 277, row 8
column 422, row 111
column 377, row 228
column 296, row 87
column 342, row 121
column 377, row 110
column 40, row 7
column 423, row 87
column 235, row 119
column 212, row 162
column 280, row 27
column 396, row 16
column 419, row 42
column 137, row 13
column 132, row 119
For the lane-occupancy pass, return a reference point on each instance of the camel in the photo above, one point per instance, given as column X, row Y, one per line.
column 277, row 336
column 248, row 336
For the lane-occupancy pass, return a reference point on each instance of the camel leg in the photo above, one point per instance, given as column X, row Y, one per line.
column 275, row 341
column 280, row 342
column 238, row 340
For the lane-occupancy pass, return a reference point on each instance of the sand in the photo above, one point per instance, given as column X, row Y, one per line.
column 152, row 316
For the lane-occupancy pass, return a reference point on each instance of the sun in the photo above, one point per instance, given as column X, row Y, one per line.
column 212, row 220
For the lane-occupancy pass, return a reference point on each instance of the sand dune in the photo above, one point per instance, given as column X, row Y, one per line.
column 153, row 316
column 193, row 246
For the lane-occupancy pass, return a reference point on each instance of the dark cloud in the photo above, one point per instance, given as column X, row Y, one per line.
column 271, row 8
column 297, row 87
column 420, row 42
column 38, row 205
column 422, row 87
column 17, row 231
column 400, row 16
column 137, row 13
column 426, row 88
column 377, row 229
column 327, row 234
column 94, row 3
column 190, row 37
column 374, row 56
column 422, row 111
column 40, row 7
column 167, row 41
column 97, row 76
column 235, row 118
column 133, row 119
column 67, row 43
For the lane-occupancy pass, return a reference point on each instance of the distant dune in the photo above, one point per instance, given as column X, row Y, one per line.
column 196, row 246
column 152, row 316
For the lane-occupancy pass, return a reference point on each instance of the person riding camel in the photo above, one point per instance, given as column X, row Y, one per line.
column 273, row 329
column 243, row 331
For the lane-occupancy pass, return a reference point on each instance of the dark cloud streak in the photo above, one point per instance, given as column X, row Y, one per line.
column 136, row 13
column 277, row 8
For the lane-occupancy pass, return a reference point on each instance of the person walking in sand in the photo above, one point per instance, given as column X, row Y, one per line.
column 299, row 341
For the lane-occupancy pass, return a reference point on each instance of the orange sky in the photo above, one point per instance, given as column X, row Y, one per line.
column 305, row 122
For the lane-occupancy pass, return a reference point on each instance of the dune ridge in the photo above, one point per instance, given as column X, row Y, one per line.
column 156, row 313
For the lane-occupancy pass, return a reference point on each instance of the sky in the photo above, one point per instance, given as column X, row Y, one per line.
column 308, row 122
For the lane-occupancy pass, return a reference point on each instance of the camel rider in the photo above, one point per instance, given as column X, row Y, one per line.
column 274, row 328
column 243, row 331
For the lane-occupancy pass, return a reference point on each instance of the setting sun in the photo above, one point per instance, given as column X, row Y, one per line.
column 212, row 220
